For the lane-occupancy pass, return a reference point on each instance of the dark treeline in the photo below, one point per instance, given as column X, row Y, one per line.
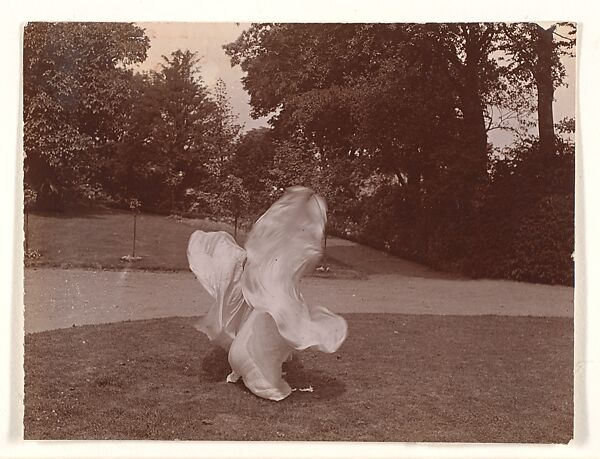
column 389, row 122
column 97, row 130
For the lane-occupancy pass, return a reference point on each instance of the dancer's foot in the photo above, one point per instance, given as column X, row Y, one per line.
column 233, row 377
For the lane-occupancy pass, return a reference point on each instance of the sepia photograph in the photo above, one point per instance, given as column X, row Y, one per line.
column 341, row 232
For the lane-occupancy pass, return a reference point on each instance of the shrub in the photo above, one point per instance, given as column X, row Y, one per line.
column 545, row 241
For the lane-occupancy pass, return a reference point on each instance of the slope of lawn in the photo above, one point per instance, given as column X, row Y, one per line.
column 417, row 378
column 98, row 239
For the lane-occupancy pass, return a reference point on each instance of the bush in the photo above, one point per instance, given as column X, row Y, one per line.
column 520, row 227
column 544, row 243
column 533, row 242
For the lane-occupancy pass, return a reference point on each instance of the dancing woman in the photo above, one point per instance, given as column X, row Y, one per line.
column 259, row 316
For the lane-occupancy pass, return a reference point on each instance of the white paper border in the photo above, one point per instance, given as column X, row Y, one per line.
column 588, row 174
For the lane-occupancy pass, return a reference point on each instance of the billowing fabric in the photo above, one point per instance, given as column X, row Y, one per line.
column 259, row 314
column 217, row 261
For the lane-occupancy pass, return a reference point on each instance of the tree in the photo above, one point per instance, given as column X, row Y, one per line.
column 233, row 200
column 535, row 53
column 134, row 207
column 170, row 135
column 375, row 93
column 225, row 130
column 76, row 81
column 252, row 160
column 127, row 173
column 391, row 122
column 299, row 71
column 472, row 72
column 29, row 198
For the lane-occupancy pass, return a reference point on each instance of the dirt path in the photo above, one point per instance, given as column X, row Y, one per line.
column 57, row 298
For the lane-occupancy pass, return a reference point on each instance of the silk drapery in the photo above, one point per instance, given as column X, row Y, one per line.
column 260, row 316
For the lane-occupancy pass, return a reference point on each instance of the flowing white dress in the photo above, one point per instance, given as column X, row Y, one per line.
column 259, row 315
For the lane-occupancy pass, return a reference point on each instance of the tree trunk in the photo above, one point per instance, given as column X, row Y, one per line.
column 26, row 232
column 545, row 89
column 134, row 233
column 475, row 134
column 130, row 177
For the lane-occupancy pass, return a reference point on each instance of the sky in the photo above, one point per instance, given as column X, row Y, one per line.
column 207, row 40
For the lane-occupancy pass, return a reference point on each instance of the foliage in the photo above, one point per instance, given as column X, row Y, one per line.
column 95, row 129
column 234, row 199
column 545, row 242
column 521, row 43
column 167, row 144
column 76, row 96
column 367, row 98
column 251, row 160
column 525, row 229
column 179, row 140
column 390, row 122
column 29, row 197
column 535, row 52
column 224, row 131
column 134, row 205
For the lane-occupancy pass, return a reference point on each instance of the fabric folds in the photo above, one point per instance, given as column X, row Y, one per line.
column 217, row 261
column 259, row 314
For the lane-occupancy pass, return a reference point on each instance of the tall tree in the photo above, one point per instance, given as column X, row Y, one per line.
column 76, row 81
column 251, row 160
column 406, row 108
column 378, row 92
column 535, row 53
column 225, row 129
column 170, row 134
column 472, row 70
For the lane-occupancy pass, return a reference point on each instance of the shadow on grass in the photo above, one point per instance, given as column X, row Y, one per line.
column 396, row 378
column 325, row 386
column 215, row 365
column 75, row 213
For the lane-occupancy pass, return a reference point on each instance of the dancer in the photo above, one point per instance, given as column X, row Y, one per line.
column 259, row 316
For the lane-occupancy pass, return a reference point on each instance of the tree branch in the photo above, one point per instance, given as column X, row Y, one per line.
column 563, row 37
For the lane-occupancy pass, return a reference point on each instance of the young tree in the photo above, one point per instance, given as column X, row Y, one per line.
column 225, row 129
column 134, row 207
column 234, row 200
column 29, row 198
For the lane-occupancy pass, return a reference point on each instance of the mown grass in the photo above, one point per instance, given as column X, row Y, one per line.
column 98, row 239
column 417, row 378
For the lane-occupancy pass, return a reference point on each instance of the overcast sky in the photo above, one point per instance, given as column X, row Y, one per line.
column 207, row 39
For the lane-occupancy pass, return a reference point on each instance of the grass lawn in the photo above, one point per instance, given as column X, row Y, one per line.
column 417, row 378
column 98, row 239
